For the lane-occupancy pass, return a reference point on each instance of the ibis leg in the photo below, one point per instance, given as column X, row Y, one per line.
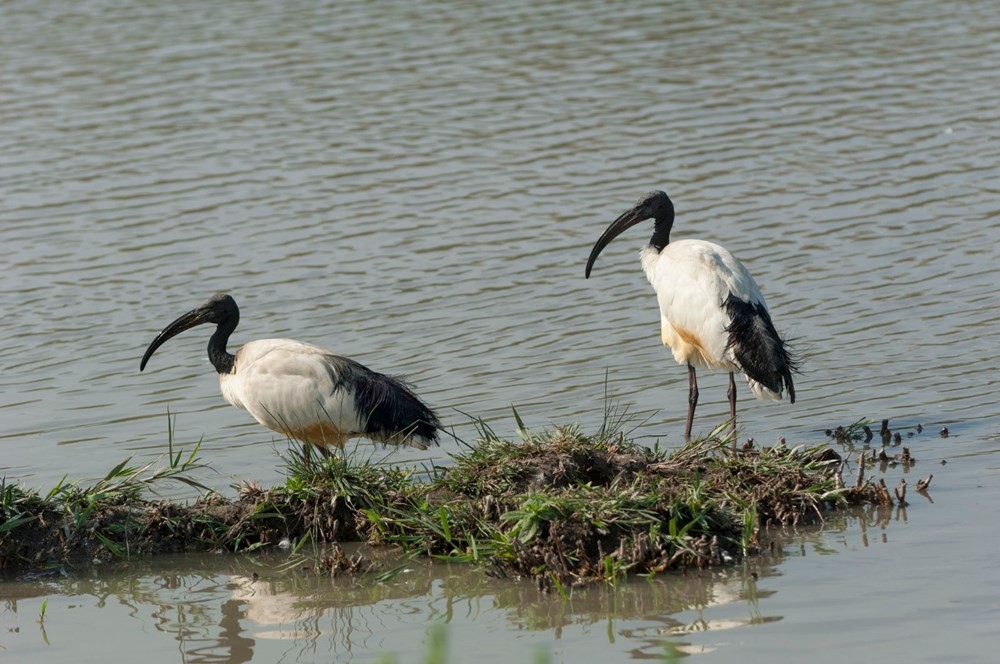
column 307, row 450
column 732, row 403
column 692, row 401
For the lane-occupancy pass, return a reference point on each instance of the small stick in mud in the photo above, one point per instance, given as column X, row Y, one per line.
column 923, row 484
column 882, row 493
column 868, row 434
column 861, row 472
column 901, row 492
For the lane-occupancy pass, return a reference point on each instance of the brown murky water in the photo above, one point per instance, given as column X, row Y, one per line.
column 417, row 186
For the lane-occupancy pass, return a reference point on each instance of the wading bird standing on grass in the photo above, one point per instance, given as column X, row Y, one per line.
column 303, row 391
column 712, row 314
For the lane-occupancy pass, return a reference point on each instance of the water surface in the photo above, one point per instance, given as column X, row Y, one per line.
column 418, row 185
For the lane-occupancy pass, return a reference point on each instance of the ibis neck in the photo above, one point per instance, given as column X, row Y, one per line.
column 661, row 233
column 223, row 361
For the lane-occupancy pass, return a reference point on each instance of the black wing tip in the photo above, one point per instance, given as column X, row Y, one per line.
column 395, row 412
column 426, row 428
column 786, row 376
column 762, row 353
column 420, row 434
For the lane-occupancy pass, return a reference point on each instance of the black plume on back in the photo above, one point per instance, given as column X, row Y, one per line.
column 394, row 412
column 760, row 351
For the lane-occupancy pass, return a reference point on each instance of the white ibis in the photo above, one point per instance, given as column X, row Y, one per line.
column 303, row 391
column 712, row 314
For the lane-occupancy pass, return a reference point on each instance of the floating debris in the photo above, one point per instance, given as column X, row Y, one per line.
column 944, row 432
column 882, row 495
column 336, row 562
column 901, row 492
column 859, row 481
column 827, row 455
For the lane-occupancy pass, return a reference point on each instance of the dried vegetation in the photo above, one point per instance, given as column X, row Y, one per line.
column 558, row 506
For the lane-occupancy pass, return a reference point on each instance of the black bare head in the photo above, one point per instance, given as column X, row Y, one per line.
column 655, row 205
column 220, row 309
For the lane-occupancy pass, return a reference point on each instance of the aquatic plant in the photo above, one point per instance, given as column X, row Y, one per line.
column 556, row 505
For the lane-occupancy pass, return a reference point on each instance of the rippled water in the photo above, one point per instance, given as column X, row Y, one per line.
column 418, row 185
column 824, row 597
column 418, row 188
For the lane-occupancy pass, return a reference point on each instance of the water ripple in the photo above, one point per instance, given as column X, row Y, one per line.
column 420, row 191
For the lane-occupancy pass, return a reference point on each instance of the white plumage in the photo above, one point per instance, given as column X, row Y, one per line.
column 712, row 313
column 291, row 387
column 303, row 391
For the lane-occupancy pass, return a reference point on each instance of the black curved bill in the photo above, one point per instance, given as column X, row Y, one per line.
column 617, row 227
column 185, row 322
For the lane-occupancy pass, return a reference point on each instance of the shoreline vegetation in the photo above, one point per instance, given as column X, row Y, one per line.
column 558, row 506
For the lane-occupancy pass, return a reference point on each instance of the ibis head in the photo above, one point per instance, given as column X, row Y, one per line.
column 220, row 309
column 655, row 205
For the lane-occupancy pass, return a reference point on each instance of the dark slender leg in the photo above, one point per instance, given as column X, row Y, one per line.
column 692, row 401
column 732, row 403
column 307, row 450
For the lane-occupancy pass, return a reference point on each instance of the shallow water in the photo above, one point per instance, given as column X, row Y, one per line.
column 417, row 186
column 876, row 579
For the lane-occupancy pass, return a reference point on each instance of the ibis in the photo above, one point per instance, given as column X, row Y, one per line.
column 303, row 391
column 712, row 313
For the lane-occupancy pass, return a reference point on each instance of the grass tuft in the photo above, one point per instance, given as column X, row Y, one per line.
column 558, row 506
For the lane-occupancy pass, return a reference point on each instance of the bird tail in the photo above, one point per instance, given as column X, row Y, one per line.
column 759, row 350
column 393, row 414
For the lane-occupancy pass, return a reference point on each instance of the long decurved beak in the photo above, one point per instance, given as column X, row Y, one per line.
column 617, row 227
column 185, row 322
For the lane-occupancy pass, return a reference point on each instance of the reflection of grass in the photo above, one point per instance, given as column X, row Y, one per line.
column 559, row 506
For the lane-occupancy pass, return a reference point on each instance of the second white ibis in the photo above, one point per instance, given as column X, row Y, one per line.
column 303, row 391
column 712, row 314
